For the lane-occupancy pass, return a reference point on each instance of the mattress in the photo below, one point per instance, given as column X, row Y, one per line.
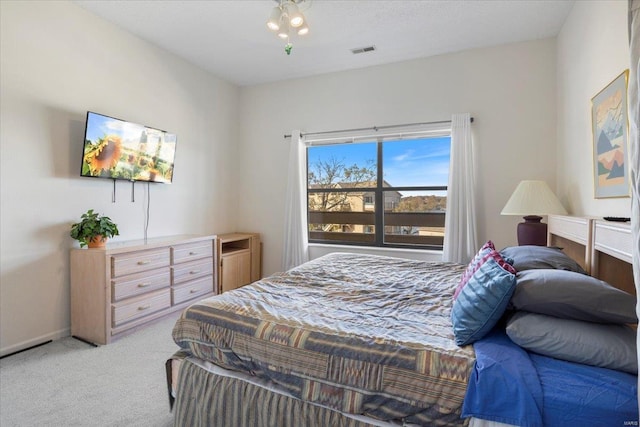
column 359, row 334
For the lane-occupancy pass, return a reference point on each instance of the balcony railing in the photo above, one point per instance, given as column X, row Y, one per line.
column 426, row 228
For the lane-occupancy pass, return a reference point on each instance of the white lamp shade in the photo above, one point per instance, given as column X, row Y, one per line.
column 274, row 20
column 533, row 198
column 283, row 33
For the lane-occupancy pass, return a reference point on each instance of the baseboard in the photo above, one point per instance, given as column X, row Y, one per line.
column 35, row 341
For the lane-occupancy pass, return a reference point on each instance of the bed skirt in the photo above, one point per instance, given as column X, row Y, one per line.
column 208, row 395
column 205, row 394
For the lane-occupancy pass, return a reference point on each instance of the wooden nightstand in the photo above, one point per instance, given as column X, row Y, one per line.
column 240, row 262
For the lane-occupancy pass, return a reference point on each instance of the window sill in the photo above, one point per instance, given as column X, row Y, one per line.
column 318, row 249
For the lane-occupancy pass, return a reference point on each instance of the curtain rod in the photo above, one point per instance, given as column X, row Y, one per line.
column 374, row 128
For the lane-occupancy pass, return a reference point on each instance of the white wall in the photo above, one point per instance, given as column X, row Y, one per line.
column 58, row 61
column 510, row 91
column 593, row 49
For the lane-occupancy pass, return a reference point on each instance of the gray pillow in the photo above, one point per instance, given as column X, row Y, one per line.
column 607, row 346
column 571, row 295
column 530, row 257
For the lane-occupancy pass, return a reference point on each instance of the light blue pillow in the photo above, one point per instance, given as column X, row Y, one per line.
column 481, row 302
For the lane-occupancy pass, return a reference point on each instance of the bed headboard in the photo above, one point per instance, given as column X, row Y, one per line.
column 574, row 235
column 602, row 248
column 612, row 258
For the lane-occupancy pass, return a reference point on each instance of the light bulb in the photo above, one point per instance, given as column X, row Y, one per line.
column 304, row 29
column 296, row 18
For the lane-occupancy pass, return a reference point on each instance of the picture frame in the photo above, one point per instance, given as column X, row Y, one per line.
column 610, row 130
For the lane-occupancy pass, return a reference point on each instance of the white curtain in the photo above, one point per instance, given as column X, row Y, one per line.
column 295, row 249
column 460, row 235
column 634, row 145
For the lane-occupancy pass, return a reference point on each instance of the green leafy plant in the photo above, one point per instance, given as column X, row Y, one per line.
column 92, row 225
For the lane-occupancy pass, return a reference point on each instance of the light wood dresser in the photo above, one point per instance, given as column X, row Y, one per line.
column 119, row 288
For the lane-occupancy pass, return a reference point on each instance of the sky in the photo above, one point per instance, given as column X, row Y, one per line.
column 99, row 126
column 416, row 162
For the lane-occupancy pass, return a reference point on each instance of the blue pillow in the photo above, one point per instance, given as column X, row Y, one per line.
column 481, row 302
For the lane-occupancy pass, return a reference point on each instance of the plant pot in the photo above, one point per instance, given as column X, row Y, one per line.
column 97, row 242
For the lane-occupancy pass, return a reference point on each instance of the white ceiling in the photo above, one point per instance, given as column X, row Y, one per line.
column 230, row 38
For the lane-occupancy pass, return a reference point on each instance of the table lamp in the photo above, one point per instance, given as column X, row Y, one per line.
column 532, row 199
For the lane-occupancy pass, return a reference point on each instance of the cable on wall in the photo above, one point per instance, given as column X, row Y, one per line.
column 146, row 218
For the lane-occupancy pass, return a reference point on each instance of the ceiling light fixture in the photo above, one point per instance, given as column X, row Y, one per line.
column 287, row 17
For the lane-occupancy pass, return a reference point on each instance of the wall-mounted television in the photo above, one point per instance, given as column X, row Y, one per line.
column 117, row 149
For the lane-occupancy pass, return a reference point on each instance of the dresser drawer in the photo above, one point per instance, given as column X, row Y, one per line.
column 131, row 310
column 140, row 283
column 192, row 270
column 191, row 251
column 129, row 263
column 192, row 290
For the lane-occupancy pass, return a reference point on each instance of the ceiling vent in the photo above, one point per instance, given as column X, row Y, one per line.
column 363, row 50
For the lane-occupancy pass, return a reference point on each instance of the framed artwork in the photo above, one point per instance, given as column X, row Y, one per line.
column 610, row 128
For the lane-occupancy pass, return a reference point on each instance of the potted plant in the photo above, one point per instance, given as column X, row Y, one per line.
column 93, row 230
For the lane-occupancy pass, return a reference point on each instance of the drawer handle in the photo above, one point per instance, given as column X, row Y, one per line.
column 193, row 291
column 144, row 285
column 194, row 272
column 143, row 262
column 193, row 253
column 144, row 307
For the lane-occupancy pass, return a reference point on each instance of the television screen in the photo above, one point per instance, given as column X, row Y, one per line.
column 118, row 149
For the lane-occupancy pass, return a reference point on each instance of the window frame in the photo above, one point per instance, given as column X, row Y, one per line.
column 378, row 192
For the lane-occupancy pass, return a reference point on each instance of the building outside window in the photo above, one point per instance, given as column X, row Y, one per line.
column 381, row 192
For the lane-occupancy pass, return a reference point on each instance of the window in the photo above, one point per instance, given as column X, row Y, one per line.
column 388, row 191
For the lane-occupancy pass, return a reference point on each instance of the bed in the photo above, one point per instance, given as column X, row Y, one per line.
column 353, row 340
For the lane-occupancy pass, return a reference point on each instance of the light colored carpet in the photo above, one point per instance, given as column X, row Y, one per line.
column 69, row 383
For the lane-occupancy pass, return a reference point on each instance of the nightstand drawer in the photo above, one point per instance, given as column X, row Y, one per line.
column 188, row 271
column 140, row 283
column 192, row 290
column 191, row 251
column 123, row 264
column 128, row 311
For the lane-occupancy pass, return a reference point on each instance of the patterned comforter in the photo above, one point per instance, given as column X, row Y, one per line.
column 361, row 334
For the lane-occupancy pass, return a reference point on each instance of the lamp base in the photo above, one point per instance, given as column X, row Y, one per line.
column 532, row 231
